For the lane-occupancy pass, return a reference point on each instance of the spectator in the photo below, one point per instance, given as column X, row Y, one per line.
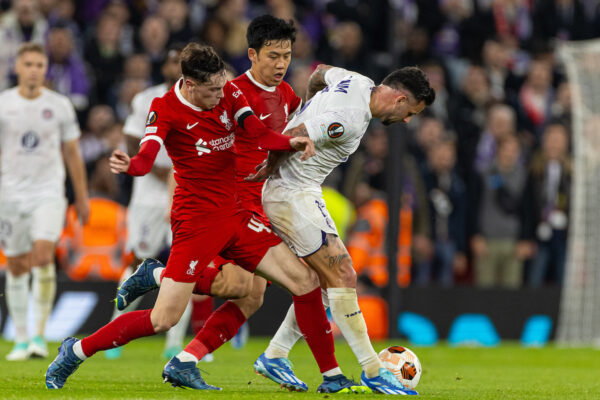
column 154, row 36
column 535, row 98
column 512, row 21
column 560, row 19
column 430, row 132
column 175, row 12
column 498, row 206
column 500, row 125
column 23, row 23
column 100, row 118
column 467, row 115
column 549, row 189
column 447, row 199
column 103, row 54
column 436, row 75
column 66, row 71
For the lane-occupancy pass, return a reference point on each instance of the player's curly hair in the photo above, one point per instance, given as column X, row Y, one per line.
column 267, row 28
column 413, row 80
column 200, row 62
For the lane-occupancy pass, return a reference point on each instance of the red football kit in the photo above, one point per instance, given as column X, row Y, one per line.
column 273, row 105
column 206, row 217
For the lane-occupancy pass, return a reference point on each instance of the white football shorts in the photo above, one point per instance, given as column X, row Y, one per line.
column 299, row 217
column 21, row 224
column 148, row 231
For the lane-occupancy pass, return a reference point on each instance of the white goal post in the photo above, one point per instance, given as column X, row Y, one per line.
column 579, row 314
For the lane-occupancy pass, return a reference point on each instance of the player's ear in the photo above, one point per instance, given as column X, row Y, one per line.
column 252, row 54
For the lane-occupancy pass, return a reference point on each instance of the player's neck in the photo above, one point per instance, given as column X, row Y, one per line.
column 374, row 104
column 257, row 78
column 30, row 92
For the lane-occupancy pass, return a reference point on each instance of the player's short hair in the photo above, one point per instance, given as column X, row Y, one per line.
column 30, row 47
column 267, row 28
column 200, row 62
column 413, row 80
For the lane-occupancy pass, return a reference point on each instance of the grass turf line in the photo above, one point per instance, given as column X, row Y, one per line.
column 505, row 372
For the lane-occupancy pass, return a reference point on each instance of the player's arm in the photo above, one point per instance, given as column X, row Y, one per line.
column 270, row 165
column 76, row 168
column 317, row 81
column 133, row 144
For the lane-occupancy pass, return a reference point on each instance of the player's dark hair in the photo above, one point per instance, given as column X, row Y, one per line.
column 200, row 62
column 265, row 29
column 413, row 80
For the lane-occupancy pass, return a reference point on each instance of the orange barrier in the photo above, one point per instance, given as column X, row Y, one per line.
column 2, row 260
column 96, row 249
column 375, row 312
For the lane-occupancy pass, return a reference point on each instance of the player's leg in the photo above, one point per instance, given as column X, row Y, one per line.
column 47, row 221
column 43, row 287
column 17, row 298
column 16, row 244
column 115, row 353
column 172, row 300
column 175, row 336
column 334, row 266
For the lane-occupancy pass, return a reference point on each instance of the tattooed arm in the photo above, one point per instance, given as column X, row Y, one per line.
column 317, row 80
column 270, row 165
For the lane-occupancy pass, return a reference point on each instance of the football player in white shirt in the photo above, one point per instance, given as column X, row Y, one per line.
column 38, row 129
column 149, row 231
column 335, row 118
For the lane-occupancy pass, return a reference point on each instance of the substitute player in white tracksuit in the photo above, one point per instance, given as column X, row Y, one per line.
column 336, row 119
column 38, row 129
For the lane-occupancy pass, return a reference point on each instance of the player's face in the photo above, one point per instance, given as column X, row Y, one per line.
column 270, row 63
column 208, row 94
column 31, row 69
column 402, row 109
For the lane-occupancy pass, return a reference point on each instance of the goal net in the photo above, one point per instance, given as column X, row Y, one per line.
column 579, row 315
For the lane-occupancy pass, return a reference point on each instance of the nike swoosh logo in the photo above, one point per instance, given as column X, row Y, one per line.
column 191, row 126
column 328, row 331
column 264, row 116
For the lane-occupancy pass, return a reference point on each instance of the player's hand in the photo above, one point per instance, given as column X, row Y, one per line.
column 305, row 145
column 82, row 207
column 262, row 172
column 119, row 161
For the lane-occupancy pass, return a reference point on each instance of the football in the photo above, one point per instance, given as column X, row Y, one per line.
column 403, row 363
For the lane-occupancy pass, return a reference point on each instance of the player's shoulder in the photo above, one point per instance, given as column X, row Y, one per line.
column 7, row 94
column 58, row 99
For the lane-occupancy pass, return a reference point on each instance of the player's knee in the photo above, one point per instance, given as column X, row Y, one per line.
column 42, row 257
column 18, row 266
column 307, row 283
column 347, row 274
column 255, row 301
column 237, row 288
column 164, row 322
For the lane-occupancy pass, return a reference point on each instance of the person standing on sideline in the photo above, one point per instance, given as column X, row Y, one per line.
column 38, row 129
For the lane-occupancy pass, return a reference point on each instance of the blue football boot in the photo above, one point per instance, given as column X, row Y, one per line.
column 140, row 282
column 386, row 383
column 341, row 384
column 185, row 374
column 279, row 370
column 65, row 363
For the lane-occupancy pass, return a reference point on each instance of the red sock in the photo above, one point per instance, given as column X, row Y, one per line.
column 220, row 327
column 120, row 331
column 201, row 311
column 313, row 324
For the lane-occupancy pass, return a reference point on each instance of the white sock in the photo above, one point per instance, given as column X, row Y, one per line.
column 184, row 356
column 17, row 297
column 285, row 338
column 176, row 334
column 333, row 372
column 157, row 273
column 79, row 351
column 43, row 286
column 127, row 272
column 289, row 333
column 348, row 317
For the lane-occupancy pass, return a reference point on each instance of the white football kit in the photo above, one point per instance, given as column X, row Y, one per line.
column 32, row 172
column 336, row 119
column 148, row 232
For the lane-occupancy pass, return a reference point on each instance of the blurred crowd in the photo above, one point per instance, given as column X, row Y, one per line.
column 486, row 170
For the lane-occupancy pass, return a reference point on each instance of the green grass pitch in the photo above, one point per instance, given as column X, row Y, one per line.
column 505, row 372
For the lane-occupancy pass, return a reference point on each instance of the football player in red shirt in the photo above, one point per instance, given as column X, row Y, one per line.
column 196, row 122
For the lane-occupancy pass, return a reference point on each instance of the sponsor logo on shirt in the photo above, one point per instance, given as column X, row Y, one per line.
column 264, row 116
column 30, row 140
column 152, row 117
column 190, row 126
column 222, row 143
column 335, row 130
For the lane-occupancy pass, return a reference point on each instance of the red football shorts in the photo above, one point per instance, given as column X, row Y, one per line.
column 243, row 238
